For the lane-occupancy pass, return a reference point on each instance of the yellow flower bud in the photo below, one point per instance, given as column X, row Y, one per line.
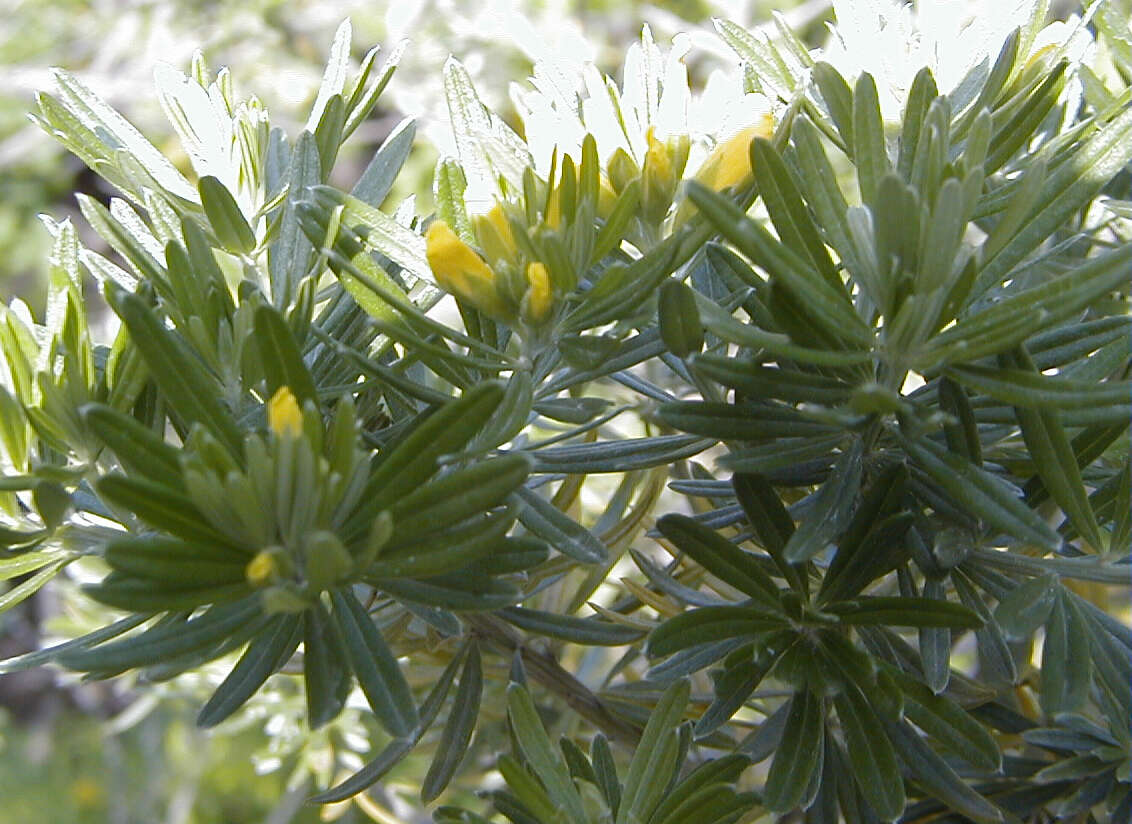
column 554, row 208
column 657, row 163
column 539, row 294
column 493, row 231
column 729, row 162
column 622, row 170
column 283, row 414
column 460, row 271
column 659, row 179
column 262, row 569
column 606, row 198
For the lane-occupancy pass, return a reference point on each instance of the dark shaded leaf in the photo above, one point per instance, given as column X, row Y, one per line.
column 1026, row 607
column 1067, row 671
column 832, row 507
column 325, row 672
column 558, row 529
column 414, row 459
column 619, row 456
column 458, row 495
column 461, row 592
column 904, row 612
column 720, row 557
column 948, row 723
column 799, row 754
column 982, row 493
column 711, row 624
column 679, row 319
column 458, row 729
column 585, row 631
column 937, row 777
column 269, row 651
column 378, row 674
column 871, row 755
column 164, row 641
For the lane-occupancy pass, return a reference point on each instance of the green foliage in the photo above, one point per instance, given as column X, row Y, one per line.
column 904, row 345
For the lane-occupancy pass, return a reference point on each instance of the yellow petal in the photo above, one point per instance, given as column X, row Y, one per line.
column 459, row 270
column 539, row 294
column 493, row 231
column 656, row 158
column 283, row 414
column 729, row 162
column 554, row 209
column 606, row 198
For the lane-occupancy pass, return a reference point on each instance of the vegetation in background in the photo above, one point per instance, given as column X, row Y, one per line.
column 754, row 452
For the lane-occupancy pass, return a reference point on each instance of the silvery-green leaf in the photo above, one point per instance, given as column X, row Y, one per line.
column 1073, row 184
column 116, row 133
column 458, row 729
column 334, row 77
column 377, row 179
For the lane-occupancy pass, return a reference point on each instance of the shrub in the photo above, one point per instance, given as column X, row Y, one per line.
column 876, row 340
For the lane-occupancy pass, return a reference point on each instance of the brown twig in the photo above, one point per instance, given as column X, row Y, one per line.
column 546, row 671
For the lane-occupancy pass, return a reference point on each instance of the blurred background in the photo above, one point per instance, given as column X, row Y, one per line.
column 277, row 51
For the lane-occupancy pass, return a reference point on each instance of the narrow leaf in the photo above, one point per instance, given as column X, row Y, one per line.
column 458, row 729
column 378, row 674
column 798, row 755
column 558, row 529
column 584, row 631
column 937, row 777
column 544, row 759
column 282, row 360
column 722, row 558
column 180, row 376
column 164, row 641
column 982, row 494
column 709, row 625
column 225, row 217
column 831, row 509
column 871, row 755
column 264, row 655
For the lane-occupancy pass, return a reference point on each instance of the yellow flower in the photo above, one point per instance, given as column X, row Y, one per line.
column 460, row 271
column 539, row 294
column 730, row 161
column 262, row 569
column 87, row 792
column 283, row 414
